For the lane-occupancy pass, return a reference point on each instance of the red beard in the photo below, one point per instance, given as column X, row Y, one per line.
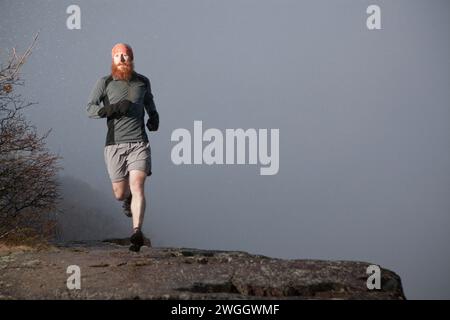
column 124, row 73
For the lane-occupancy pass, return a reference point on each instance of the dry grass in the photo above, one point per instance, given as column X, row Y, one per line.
column 23, row 239
column 31, row 236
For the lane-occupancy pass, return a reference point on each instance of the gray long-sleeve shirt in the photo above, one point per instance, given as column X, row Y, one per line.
column 130, row 127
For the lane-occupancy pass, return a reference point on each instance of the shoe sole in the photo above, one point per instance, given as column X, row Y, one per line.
column 134, row 248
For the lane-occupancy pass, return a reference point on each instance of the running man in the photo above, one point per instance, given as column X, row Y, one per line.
column 121, row 98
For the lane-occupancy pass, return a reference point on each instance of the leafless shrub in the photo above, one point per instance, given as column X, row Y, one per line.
column 28, row 171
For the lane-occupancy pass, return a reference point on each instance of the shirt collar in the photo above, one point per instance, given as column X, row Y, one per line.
column 133, row 76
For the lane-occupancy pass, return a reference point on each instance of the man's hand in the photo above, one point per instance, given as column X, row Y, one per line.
column 123, row 107
column 116, row 109
column 153, row 121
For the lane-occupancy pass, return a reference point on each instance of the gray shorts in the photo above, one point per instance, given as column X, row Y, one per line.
column 123, row 157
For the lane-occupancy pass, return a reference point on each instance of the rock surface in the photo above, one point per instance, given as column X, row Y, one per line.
column 110, row 271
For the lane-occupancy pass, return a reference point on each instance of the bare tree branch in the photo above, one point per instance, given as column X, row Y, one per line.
column 28, row 184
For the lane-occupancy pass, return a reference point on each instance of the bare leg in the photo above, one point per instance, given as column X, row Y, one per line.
column 121, row 189
column 137, row 180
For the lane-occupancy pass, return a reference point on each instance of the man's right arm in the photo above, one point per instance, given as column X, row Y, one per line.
column 95, row 99
column 96, row 111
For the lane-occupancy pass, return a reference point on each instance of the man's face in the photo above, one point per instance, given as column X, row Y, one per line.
column 121, row 58
column 122, row 65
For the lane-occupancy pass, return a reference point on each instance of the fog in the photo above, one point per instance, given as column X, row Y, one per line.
column 363, row 118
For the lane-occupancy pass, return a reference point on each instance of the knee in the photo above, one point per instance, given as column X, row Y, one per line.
column 137, row 190
column 120, row 197
column 138, row 193
column 120, row 194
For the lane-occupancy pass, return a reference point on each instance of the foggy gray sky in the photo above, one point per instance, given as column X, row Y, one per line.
column 363, row 117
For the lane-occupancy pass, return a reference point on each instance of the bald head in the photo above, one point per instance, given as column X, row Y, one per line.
column 122, row 49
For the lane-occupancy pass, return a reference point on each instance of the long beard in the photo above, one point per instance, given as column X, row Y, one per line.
column 123, row 73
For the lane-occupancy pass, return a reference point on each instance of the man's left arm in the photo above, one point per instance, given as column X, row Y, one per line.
column 149, row 104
